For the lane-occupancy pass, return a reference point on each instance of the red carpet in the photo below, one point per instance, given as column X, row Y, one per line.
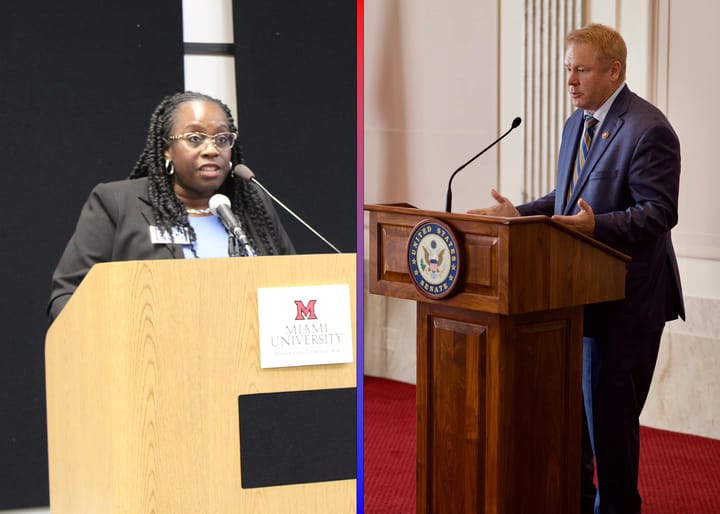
column 679, row 474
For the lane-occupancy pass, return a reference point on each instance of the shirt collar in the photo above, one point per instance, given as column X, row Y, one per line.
column 603, row 110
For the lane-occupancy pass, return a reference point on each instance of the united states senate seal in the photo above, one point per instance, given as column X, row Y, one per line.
column 433, row 258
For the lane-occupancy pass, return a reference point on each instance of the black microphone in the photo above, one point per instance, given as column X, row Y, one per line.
column 448, row 199
column 246, row 173
column 220, row 206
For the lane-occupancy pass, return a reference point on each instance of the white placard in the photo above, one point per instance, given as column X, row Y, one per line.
column 303, row 326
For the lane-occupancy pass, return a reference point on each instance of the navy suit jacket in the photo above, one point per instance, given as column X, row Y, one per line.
column 631, row 180
column 114, row 226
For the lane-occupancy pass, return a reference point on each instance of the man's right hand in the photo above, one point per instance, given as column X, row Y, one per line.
column 503, row 207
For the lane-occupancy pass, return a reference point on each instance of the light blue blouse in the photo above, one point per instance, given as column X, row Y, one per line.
column 212, row 238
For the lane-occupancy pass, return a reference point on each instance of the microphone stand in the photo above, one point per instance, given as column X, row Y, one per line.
column 233, row 246
column 448, row 197
column 239, row 247
column 241, row 242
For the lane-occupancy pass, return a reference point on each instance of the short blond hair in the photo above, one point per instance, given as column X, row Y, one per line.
column 607, row 42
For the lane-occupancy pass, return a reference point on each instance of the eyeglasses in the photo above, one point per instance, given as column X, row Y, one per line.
column 221, row 141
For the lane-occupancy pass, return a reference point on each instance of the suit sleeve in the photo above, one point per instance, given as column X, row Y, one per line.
column 92, row 242
column 545, row 205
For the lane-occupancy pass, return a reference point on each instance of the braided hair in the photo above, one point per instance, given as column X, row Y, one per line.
column 167, row 208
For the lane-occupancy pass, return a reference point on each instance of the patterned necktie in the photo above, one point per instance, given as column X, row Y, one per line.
column 585, row 142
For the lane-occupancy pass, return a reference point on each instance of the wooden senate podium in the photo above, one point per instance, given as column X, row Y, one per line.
column 499, row 352
column 157, row 403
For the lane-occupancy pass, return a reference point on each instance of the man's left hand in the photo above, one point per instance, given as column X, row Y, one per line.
column 583, row 221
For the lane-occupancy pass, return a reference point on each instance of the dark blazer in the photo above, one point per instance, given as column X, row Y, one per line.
column 114, row 226
column 631, row 180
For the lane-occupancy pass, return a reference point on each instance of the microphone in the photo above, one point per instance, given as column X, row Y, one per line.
column 448, row 198
column 220, row 206
column 246, row 173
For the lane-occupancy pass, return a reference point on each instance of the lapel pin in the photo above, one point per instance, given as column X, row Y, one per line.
column 605, row 135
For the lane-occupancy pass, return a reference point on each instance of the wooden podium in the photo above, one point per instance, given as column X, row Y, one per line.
column 147, row 367
column 499, row 361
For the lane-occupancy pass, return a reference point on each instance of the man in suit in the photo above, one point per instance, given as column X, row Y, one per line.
column 618, row 178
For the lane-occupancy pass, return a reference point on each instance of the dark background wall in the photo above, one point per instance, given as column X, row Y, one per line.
column 296, row 87
column 78, row 81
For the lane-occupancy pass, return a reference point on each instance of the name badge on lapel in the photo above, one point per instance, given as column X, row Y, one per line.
column 162, row 237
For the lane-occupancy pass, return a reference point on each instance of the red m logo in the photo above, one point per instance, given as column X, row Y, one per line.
column 305, row 312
